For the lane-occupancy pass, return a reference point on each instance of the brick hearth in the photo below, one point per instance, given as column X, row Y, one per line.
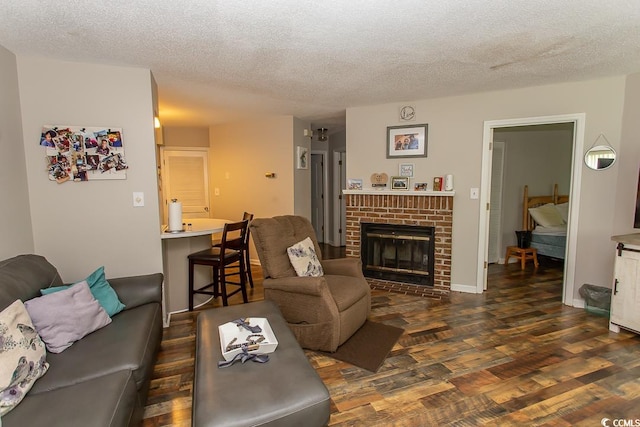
column 431, row 210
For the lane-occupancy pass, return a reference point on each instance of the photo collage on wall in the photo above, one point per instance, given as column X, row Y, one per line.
column 79, row 154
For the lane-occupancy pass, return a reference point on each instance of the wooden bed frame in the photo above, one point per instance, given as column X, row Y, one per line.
column 534, row 201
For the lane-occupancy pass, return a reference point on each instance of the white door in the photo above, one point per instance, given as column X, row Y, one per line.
column 317, row 195
column 495, row 205
column 185, row 178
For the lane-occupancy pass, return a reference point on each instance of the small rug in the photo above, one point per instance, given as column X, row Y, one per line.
column 369, row 346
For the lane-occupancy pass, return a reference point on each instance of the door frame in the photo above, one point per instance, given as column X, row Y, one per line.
column 339, row 183
column 325, row 190
column 578, row 119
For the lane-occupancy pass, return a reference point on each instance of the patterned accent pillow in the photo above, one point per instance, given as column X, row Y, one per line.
column 304, row 259
column 22, row 356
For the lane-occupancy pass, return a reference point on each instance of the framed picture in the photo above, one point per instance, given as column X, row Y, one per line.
column 303, row 158
column 399, row 183
column 406, row 169
column 354, row 184
column 407, row 141
column 420, row 186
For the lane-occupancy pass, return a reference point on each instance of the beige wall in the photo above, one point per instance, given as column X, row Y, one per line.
column 628, row 159
column 241, row 154
column 81, row 226
column 15, row 215
column 455, row 147
column 301, row 177
column 186, row 136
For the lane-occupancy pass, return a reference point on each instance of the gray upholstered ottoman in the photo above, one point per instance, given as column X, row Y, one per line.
column 285, row 391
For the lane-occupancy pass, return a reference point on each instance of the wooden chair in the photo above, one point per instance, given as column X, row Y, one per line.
column 220, row 257
column 247, row 258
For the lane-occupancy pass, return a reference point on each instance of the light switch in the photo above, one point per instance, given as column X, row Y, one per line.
column 138, row 198
column 475, row 193
column 216, row 191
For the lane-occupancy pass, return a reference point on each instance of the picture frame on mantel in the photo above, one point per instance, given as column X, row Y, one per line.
column 407, row 141
column 399, row 183
column 354, row 184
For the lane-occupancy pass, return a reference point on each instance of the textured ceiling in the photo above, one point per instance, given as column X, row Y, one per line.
column 217, row 60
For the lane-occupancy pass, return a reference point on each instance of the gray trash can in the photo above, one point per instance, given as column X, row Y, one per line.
column 597, row 299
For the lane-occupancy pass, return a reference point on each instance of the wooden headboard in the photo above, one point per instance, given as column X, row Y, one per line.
column 534, row 201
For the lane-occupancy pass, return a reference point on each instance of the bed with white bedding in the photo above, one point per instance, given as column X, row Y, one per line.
column 546, row 217
column 550, row 241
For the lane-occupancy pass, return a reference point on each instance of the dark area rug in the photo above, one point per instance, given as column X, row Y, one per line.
column 369, row 346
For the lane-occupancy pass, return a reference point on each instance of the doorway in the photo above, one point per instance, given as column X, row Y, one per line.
column 184, row 176
column 578, row 121
column 319, row 188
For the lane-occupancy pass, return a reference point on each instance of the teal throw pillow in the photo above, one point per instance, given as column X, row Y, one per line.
column 100, row 289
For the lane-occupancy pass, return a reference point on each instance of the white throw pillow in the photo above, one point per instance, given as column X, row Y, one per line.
column 563, row 210
column 64, row 317
column 304, row 259
column 22, row 356
column 546, row 215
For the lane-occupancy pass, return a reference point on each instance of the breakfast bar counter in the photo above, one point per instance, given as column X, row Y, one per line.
column 176, row 247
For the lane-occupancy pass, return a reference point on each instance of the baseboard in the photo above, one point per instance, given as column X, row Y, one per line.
column 578, row 303
column 467, row 289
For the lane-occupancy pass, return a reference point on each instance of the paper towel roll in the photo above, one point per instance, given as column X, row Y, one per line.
column 448, row 183
column 175, row 215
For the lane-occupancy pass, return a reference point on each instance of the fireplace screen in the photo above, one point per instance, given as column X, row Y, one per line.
column 401, row 253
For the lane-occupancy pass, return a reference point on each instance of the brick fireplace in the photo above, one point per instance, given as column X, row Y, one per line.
column 431, row 209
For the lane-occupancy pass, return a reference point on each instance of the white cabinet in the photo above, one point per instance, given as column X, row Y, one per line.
column 625, row 298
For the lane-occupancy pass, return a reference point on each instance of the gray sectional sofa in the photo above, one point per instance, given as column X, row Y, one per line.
column 102, row 379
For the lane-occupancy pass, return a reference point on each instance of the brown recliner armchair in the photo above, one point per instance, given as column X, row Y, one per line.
column 323, row 312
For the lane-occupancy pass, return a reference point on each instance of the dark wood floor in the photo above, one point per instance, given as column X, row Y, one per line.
column 512, row 356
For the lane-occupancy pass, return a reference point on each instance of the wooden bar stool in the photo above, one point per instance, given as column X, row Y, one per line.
column 523, row 254
column 220, row 258
column 245, row 249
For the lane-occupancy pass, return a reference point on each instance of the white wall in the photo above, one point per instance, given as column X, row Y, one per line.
column 81, row 226
column 241, row 154
column 455, row 147
column 15, row 216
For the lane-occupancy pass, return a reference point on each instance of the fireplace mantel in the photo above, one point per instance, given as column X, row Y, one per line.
column 386, row 192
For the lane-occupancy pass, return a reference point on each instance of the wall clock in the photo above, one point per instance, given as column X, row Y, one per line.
column 407, row 113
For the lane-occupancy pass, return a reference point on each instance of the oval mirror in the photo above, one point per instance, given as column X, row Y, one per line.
column 600, row 157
